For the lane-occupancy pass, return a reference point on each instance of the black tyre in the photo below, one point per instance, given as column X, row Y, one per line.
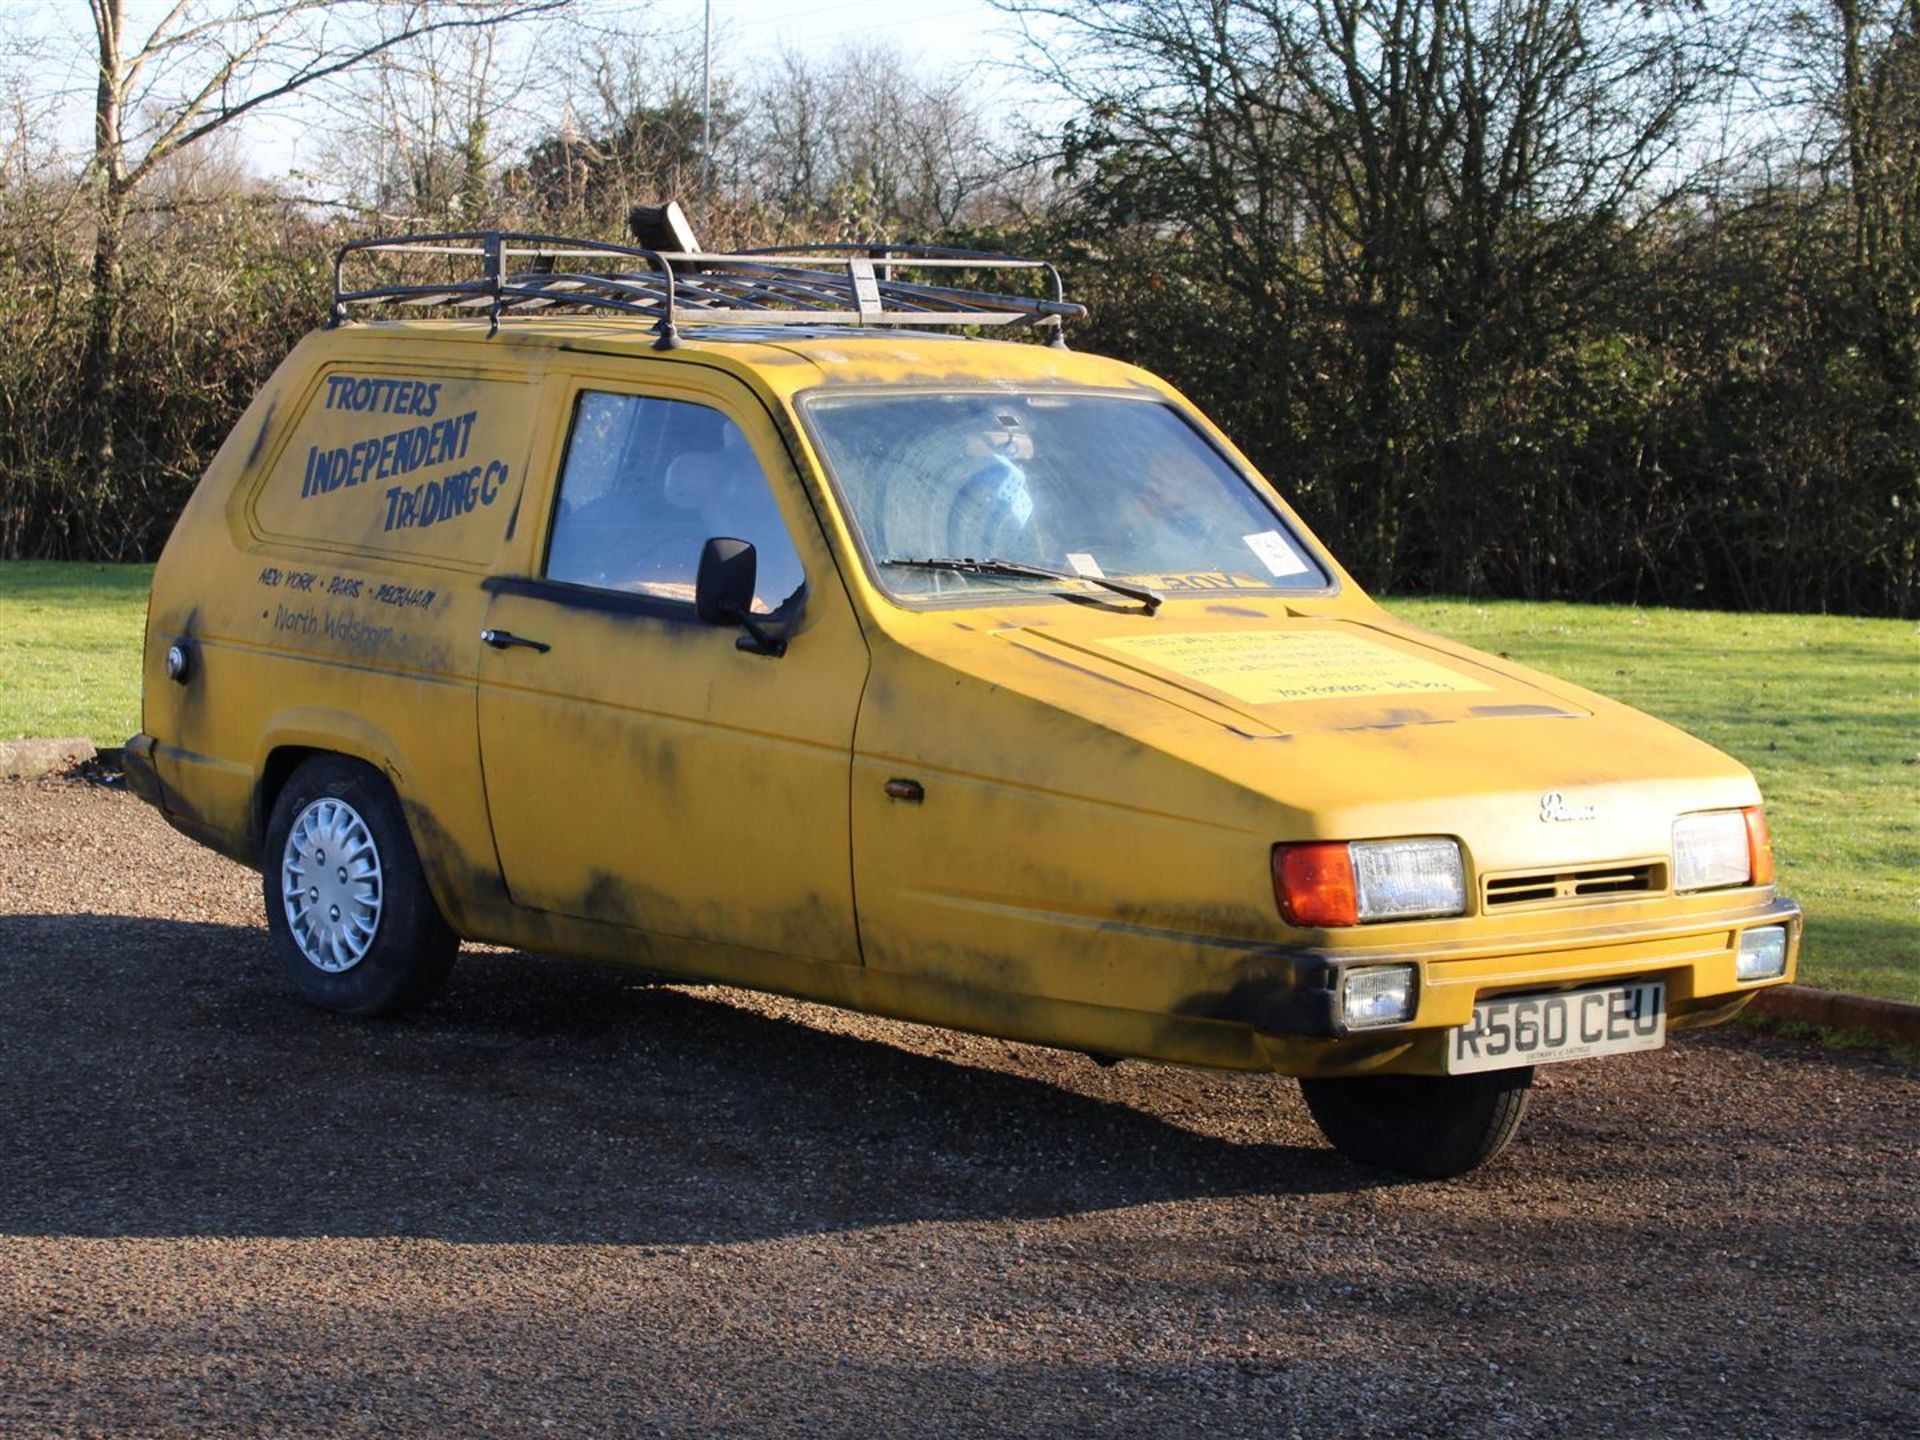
column 1431, row 1126
column 353, row 922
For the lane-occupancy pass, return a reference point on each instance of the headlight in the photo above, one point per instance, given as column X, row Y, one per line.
column 1399, row 879
column 1713, row 849
column 1331, row 883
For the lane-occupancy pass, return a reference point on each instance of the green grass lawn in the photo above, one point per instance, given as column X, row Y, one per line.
column 70, row 649
column 1826, row 712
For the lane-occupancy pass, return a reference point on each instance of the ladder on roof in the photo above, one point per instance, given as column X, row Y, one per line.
column 857, row 285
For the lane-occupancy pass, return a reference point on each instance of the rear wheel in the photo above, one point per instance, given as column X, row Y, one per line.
column 353, row 921
column 1430, row 1126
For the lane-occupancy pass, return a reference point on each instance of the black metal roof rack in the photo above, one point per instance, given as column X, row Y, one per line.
column 862, row 285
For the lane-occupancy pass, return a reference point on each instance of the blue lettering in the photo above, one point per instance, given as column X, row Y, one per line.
column 388, row 456
column 381, row 396
column 397, row 453
column 447, row 498
column 495, row 478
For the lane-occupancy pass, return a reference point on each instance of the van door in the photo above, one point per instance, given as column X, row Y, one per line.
column 642, row 768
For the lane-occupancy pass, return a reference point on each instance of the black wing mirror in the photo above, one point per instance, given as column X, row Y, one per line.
column 723, row 592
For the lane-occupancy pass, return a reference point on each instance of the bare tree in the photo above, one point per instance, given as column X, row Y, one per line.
column 630, row 130
column 868, row 144
column 418, row 133
column 203, row 66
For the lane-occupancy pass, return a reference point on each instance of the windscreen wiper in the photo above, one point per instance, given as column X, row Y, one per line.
column 1149, row 599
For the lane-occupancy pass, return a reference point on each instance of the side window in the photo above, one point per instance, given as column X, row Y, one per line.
column 646, row 484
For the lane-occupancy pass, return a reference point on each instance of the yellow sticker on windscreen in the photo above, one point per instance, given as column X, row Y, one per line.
column 1268, row 669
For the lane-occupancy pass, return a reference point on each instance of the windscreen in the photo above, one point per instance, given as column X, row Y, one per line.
column 1095, row 485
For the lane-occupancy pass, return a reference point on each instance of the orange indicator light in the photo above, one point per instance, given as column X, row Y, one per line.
column 1759, row 846
column 1314, row 884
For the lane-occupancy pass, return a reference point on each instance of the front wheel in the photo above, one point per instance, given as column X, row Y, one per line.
column 1430, row 1126
column 352, row 918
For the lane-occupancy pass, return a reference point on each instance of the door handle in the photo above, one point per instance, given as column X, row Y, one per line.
column 506, row 640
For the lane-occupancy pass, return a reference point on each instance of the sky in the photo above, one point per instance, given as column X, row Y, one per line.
column 941, row 36
column 937, row 30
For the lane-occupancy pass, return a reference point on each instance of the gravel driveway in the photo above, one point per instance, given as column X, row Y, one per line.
column 561, row 1202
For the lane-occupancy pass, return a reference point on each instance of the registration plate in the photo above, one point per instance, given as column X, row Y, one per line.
column 1572, row 1025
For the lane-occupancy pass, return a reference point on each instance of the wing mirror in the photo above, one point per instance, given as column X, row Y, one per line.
column 723, row 593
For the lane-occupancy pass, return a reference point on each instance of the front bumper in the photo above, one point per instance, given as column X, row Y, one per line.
column 1295, row 1006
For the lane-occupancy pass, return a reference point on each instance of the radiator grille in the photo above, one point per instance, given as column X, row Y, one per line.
column 1600, row 882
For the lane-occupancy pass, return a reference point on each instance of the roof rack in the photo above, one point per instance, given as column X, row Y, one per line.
column 519, row 273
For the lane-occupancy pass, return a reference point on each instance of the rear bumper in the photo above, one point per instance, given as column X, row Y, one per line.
column 145, row 764
column 137, row 764
column 1298, row 1021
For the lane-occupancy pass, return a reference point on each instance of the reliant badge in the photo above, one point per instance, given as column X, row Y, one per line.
column 1554, row 806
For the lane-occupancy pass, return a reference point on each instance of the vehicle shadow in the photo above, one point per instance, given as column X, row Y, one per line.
column 157, row 1079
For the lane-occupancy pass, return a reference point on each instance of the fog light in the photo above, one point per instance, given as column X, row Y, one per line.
column 1763, row 953
column 1376, row 995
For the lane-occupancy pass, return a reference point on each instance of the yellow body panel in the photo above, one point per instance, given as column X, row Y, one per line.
column 1100, row 790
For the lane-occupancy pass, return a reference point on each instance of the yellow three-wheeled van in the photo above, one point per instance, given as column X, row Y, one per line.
column 724, row 615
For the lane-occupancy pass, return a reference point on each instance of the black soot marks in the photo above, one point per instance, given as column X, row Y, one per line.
column 1277, row 993
column 616, row 900
column 470, row 880
column 260, row 436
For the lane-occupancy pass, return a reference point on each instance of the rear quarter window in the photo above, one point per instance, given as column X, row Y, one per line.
column 401, row 462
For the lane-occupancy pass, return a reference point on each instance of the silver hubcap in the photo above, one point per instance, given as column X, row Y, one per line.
column 330, row 884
